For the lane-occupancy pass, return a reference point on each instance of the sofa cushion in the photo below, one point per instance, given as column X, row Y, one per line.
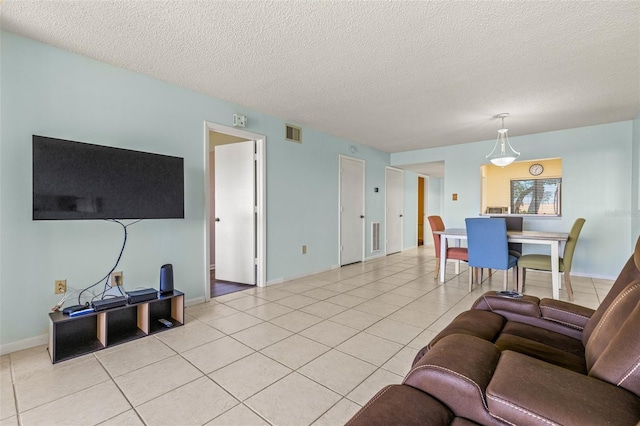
column 544, row 336
column 551, row 395
column 542, row 352
column 546, row 345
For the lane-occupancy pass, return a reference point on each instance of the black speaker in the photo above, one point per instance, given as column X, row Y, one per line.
column 166, row 278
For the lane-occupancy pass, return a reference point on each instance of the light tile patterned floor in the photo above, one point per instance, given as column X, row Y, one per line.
column 308, row 351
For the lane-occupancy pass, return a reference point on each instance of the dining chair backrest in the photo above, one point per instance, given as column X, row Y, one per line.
column 487, row 243
column 436, row 224
column 514, row 223
column 570, row 245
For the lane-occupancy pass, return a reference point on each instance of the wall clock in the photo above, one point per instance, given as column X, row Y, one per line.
column 536, row 169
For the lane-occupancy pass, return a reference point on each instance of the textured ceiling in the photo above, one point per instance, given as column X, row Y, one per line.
column 392, row 75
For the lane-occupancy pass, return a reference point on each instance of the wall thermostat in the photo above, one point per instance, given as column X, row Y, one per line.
column 239, row 120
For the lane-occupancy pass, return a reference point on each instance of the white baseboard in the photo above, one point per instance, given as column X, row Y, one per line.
column 195, row 301
column 376, row 256
column 595, row 277
column 578, row 274
column 24, row 344
column 295, row 277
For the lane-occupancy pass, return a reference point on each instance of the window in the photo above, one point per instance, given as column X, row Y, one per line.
column 536, row 196
column 523, row 190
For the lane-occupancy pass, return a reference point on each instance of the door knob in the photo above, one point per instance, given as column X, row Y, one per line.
column 217, row 219
column 361, row 216
column 400, row 215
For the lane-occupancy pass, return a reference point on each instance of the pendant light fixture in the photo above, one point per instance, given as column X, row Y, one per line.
column 503, row 153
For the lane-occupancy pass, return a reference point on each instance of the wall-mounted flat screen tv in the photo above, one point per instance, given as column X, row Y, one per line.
column 76, row 180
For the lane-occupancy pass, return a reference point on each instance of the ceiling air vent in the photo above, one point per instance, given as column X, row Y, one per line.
column 293, row 133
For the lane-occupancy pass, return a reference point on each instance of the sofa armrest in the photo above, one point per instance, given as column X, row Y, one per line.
column 547, row 394
column 402, row 405
column 569, row 314
column 560, row 317
column 457, row 371
column 526, row 306
column 475, row 322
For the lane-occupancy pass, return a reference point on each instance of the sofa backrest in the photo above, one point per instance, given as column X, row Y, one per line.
column 612, row 336
column 630, row 273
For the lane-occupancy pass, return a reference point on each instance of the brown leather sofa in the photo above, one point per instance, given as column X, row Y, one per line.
column 526, row 361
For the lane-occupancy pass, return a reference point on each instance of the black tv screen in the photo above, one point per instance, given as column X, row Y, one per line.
column 76, row 180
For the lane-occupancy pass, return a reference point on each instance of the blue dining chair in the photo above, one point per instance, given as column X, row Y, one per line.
column 488, row 247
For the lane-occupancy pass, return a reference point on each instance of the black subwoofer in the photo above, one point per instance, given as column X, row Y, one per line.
column 166, row 279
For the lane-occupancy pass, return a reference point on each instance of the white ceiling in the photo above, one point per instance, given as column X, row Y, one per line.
column 395, row 76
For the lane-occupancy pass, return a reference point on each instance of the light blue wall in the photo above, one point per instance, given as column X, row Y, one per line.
column 52, row 92
column 302, row 201
column 597, row 185
column 434, row 199
column 375, row 177
column 434, row 203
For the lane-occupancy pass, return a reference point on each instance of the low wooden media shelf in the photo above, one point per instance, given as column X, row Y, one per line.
column 70, row 337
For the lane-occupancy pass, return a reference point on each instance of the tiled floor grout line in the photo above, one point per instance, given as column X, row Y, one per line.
column 377, row 368
column 112, row 378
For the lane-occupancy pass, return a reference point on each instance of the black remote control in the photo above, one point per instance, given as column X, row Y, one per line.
column 74, row 308
column 509, row 294
column 165, row 322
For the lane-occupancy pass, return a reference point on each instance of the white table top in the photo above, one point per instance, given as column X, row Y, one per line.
column 529, row 235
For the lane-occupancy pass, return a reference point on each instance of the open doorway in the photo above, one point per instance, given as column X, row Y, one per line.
column 429, row 197
column 240, row 156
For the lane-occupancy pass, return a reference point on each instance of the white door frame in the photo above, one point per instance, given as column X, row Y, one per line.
column 261, row 228
column 364, row 201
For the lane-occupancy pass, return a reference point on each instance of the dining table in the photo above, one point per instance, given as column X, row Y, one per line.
column 552, row 239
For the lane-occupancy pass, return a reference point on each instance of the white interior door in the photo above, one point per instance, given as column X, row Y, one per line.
column 351, row 210
column 394, row 201
column 235, row 212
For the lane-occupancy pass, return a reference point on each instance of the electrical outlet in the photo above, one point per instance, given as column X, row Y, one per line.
column 60, row 287
column 116, row 279
column 304, row 249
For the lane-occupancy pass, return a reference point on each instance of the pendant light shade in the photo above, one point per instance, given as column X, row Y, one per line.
column 503, row 153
